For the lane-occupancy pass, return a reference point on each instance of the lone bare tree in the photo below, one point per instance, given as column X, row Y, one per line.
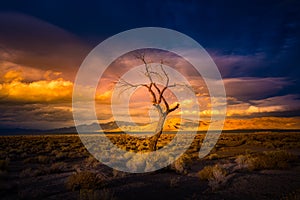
column 157, row 93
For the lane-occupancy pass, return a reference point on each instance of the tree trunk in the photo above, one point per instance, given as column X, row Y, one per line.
column 158, row 132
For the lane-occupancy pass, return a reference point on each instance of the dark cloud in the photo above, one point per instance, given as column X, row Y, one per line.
column 253, row 88
column 38, row 116
column 31, row 42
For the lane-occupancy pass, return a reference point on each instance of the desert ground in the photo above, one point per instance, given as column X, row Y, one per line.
column 257, row 165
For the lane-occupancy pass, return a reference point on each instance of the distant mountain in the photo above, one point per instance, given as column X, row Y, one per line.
column 172, row 124
column 94, row 127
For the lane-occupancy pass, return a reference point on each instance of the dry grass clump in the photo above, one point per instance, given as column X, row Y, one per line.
column 242, row 161
column 85, row 180
column 43, row 159
column 279, row 159
column 182, row 164
column 174, row 182
column 57, row 167
column 208, row 171
column 117, row 173
column 216, row 176
column 61, row 155
column 213, row 156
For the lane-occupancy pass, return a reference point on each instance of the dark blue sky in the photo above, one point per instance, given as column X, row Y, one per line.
column 228, row 27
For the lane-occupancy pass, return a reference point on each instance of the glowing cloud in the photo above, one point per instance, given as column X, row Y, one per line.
column 14, row 89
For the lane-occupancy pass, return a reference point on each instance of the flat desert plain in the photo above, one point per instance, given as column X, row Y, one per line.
column 256, row 165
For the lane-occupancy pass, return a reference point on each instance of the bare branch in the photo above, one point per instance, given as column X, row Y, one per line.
column 165, row 73
column 141, row 56
column 157, row 88
column 123, row 82
column 174, row 108
column 152, row 93
column 125, row 85
column 166, row 104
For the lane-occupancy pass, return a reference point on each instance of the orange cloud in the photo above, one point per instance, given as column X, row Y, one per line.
column 13, row 89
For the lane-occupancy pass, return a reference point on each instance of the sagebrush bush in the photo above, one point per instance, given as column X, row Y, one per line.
column 182, row 164
column 57, row 167
column 174, row 182
column 279, row 159
column 43, row 159
column 208, row 172
column 213, row 156
column 29, row 160
column 216, row 176
column 85, row 180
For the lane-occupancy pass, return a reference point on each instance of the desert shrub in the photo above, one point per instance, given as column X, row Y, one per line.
column 85, row 180
column 242, row 161
column 174, row 182
column 207, row 172
column 219, row 178
column 269, row 145
column 273, row 160
column 57, row 167
column 216, row 176
column 29, row 160
column 268, row 160
column 43, row 159
column 61, row 155
column 213, row 156
column 74, row 155
column 182, row 164
column 117, row 173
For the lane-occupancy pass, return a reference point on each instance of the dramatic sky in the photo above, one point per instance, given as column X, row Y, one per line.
column 255, row 45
